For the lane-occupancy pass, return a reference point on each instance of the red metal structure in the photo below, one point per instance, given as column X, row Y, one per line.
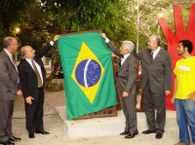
column 174, row 38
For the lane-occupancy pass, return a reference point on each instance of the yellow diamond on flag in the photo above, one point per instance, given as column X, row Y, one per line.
column 87, row 72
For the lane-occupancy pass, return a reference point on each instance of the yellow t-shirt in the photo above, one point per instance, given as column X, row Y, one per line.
column 185, row 77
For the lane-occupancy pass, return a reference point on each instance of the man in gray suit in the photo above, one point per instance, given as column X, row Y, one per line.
column 127, row 76
column 156, row 84
column 9, row 82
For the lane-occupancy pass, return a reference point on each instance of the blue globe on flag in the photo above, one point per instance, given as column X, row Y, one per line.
column 88, row 73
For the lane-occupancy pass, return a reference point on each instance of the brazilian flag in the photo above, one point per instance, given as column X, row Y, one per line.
column 88, row 73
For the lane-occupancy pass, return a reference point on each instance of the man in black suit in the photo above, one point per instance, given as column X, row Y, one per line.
column 9, row 88
column 32, row 77
column 127, row 76
column 156, row 84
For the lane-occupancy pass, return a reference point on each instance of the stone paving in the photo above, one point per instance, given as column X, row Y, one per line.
column 57, row 137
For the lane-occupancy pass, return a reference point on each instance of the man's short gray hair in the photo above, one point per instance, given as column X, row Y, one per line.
column 8, row 41
column 128, row 45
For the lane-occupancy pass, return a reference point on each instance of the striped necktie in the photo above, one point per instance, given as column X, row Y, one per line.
column 40, row 84
column 152, row 56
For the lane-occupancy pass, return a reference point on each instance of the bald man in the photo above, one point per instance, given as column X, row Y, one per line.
column 9, row 88
column 127, row 75
column 32, row 78
column 155, row 84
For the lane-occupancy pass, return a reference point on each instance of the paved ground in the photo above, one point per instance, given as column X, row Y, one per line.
column 57, row 137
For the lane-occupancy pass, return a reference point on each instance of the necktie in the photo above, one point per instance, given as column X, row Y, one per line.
column 122, row 60
column 15, row 66
column 152, row 55
column 37, row 74
column 14, row 62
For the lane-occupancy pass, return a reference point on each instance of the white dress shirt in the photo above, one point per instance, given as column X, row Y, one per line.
column 155, row 52
column 37, row 65
column 124, row 58
column 51, row 43
column 107, row 40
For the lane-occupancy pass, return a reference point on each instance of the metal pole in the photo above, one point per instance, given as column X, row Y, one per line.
column 137, row 27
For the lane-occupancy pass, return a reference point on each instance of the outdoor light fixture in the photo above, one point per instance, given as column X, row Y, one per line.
column 17, row 29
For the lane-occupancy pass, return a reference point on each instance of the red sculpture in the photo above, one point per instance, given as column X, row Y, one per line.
column 174, row 38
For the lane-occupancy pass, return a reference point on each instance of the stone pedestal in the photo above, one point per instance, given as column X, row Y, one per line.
column 100, row 127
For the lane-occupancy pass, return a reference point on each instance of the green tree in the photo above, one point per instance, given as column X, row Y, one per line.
column 40, row 20
column 10, row 11
column 149, row 12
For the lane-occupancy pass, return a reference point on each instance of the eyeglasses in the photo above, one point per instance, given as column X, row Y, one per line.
column 14, row 44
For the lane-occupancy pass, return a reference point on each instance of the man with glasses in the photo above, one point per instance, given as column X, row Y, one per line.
column 156, row 84
column 32, row 77
column 9, row 88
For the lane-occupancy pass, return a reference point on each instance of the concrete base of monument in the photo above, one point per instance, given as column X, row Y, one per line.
column 109, row 126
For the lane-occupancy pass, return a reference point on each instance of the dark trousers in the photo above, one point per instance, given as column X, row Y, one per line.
column 128, row 105
column 6, row 113
column 155, row 101
column 34, row 113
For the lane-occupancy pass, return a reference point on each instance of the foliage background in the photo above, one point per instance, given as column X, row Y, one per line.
column 40, row 20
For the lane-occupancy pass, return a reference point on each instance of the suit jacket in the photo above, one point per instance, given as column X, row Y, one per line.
column 158, row 72
column 28, row 76
column 127, row 73
column 9, row 79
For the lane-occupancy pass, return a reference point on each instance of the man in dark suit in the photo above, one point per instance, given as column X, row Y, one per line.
column 156, row 84
column 127, row 76
column 32, row 78
column 9, row 88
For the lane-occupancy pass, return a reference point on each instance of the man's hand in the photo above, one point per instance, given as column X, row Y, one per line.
column 125, row 94
column 187, row 33
column 172, row 99
column 29, row 100
column 19, row 93
column 167, row 92
column 104, row 35
column 56, row 37
column 191, row 96
column 140, row 92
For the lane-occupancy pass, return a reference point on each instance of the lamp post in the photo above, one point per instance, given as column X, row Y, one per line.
column 159, row 16
column 16, row 31
column 137, row 27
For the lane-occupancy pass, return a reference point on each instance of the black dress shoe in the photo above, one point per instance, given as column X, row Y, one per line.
column 148, row 131
column 42, row 132
column 14, row 139
column 131, row 135
column 159, row 135
column 7, row 142
column 124, row 132
column 31, row 135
